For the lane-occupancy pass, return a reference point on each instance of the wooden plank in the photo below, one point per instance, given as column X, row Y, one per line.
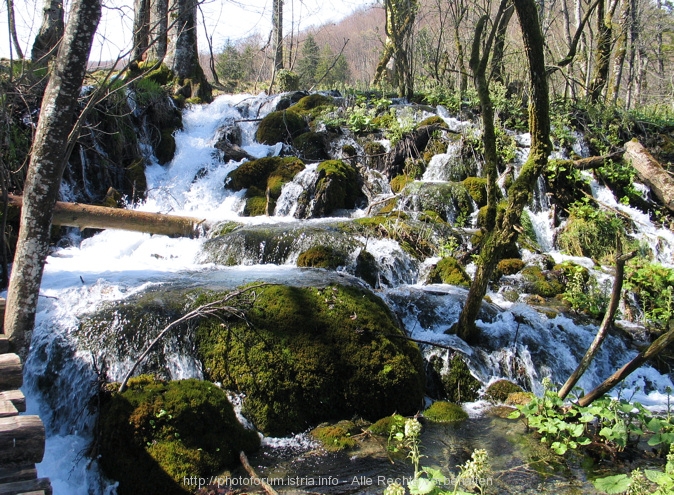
column 22, row 439
column 16, row 397
column 17, row 472
column 24, row 487
column 7, row 409
column 11, row 372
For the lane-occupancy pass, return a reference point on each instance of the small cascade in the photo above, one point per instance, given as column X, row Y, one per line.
column 446, row 166
column 287, row 203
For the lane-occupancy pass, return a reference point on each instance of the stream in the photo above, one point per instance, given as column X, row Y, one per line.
column 523, row 343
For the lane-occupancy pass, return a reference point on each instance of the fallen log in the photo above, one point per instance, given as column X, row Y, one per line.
column 21, row 439
column 592, row 162
column 650, row 172
column 17, row 472
column 101, row 217
column 7, row 409
column 16, row 397
column 11, row 372
column 40, row 485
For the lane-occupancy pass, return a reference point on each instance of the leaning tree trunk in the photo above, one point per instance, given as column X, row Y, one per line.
column 50, row 34
column 605, row 324
column 11, row 20
column 182, row 55
column 518, row 194
column 650, row 172
column 277, row 33
column 663, row 342
column 47, row 162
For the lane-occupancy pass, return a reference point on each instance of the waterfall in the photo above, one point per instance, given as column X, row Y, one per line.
column 521, row 343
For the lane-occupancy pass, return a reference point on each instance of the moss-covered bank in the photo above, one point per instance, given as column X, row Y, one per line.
column 156, row 433
column 307, row 355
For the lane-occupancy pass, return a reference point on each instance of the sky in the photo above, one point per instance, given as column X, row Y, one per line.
column 224, row 19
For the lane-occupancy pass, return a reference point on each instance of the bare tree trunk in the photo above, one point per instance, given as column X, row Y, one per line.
column 182, row 55
column 277, row 33
column 158, row 28
column 47, row 162
column 662, row 343
column 11, row 20
column 50, row 34
column 603, row 51
column 505, row 232
column 141, row 29
column 497, row 65
column 605, row 324
column 620, row 51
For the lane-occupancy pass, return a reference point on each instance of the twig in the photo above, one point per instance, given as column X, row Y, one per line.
column 426, row 342
column 249, row 469
column 204, row 310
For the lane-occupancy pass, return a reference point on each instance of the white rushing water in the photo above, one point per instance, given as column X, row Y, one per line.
column 524, row 345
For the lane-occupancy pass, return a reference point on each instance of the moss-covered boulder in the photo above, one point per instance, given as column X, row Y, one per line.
column 264, row 178
column 508, row 266
column 500, row 390
column 445, row 412
column 449, row 271
column 477, row 188
column 375, row 155
column 544, row 283
column 337, row 187
column 322, row 257
column 399, row 182
column 280, row 127
column 312, row 145
column 307, row 355
column 313, row 105
column 156, row 434
column 453, row 380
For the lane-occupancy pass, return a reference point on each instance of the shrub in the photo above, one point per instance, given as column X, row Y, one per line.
column 500, row 390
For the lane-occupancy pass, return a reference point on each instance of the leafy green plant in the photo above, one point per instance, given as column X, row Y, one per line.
column 583, row 292
column 431, row 481
column 653, row 285
column 636, row 482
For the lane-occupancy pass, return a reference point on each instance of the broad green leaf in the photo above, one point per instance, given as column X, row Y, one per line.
column 515, row 414
column 613, row 484
column 655, row 440
column 421, row 486
column 577, row 430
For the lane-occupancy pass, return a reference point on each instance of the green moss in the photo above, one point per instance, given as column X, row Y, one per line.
column 509, row 266
column 322, row 257
column 349, row 151
column 450, row 200
column 449, row 271
column 399, row 182
column 224, row 228
column 500, row 390
column 255, row 206
column 280, row 127
column 166, row 147
column 366, row 268
column 434, row 120
column 458, row 384
column 477, row 188
column 311, row 146
column 519, row 398
column 262, row 176
column 445, row 412
column 337, row 187
column 384, row 426
column 540, row 283
column 336, row 437
column 161, row 75
column 306, row 355
column 313, row 105
column 592, row 233
column 156, row 433
column 287, row 80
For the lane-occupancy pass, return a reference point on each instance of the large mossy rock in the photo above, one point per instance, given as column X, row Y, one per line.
column 449, row 271
column 337, row 187
column 307, row 355
column 280, row 127
column 264, row 178
column 156, row 434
